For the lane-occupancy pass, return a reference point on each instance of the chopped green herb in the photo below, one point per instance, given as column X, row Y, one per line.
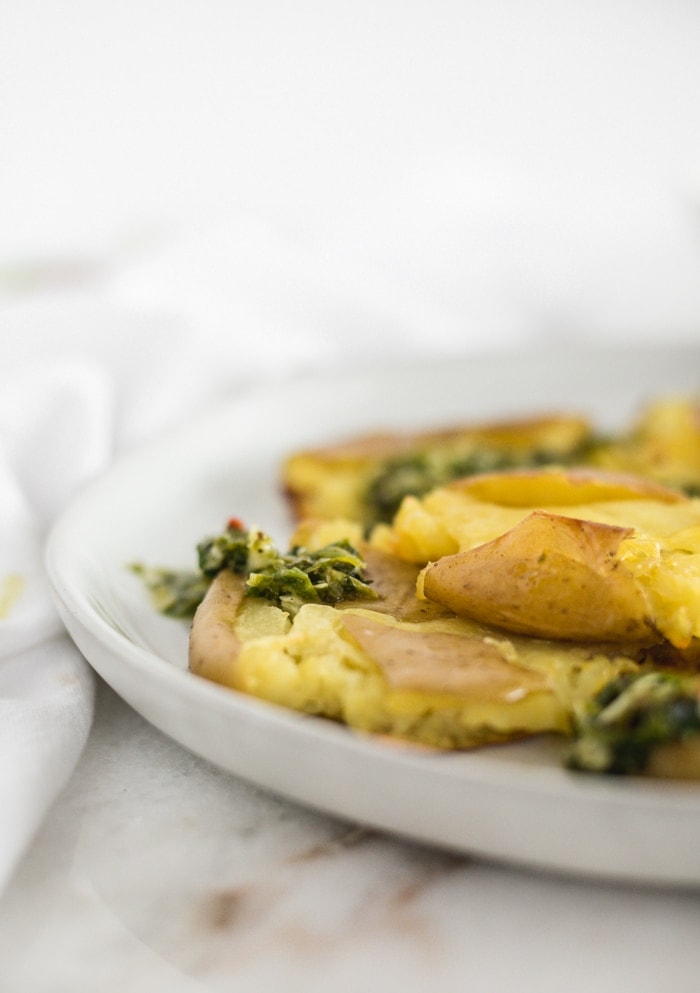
column 329, row 575
column 333, row 573
column 236, row 549
column 417, row 473
column 174, row 593
column 631, row 716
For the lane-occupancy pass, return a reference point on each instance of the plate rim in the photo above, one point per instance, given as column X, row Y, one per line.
column 81, row 622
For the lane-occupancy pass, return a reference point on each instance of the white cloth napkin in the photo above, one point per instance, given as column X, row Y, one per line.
column 51, row 434
column 449, row 260
column 80, row 383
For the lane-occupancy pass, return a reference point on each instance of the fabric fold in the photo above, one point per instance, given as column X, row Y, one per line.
column 55, row 434
column 46, row 710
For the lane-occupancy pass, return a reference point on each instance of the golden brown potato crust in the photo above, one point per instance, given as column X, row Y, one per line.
column 662, row 444
column 550, row 577
column 330, row 481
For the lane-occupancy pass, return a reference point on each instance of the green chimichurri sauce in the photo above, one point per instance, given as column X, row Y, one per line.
column 417, row 473
column 333, row 573
column 632, row 716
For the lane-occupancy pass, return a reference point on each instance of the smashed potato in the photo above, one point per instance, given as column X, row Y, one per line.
column 444, row 682
column 365, row 479
column 528, row 577
column 576, row 555
column 549, row 576
column 663, row 444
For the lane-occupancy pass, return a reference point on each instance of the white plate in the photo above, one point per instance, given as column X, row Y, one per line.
column 511, row 802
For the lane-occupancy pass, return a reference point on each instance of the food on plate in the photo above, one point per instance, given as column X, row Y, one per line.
column 326, row 574
column 644, row 722
column 551, row 553
column 365, row 478
column 472, row 586
column 383, row 661
column 331, row 631
column 663, row 444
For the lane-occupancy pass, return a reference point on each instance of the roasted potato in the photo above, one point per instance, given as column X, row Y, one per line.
column 444, row 682
column 511, row 599
column 663, row 444
column 520, row 552
column 549, row 576
column 365, row 478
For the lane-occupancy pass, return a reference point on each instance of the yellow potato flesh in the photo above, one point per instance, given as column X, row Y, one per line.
column 561, row 487
column 445, row 683
column 663, row 444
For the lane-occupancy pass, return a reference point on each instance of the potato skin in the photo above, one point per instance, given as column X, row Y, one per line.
column 213, row 644
column 550, row 577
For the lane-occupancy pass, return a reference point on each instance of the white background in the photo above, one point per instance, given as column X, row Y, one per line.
column 532, row 167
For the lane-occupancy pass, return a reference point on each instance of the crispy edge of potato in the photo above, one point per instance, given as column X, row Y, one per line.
column 213, row 643
column 516, row 432
column 550, row 576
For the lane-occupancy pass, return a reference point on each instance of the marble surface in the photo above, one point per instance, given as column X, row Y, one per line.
column 155, row 871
